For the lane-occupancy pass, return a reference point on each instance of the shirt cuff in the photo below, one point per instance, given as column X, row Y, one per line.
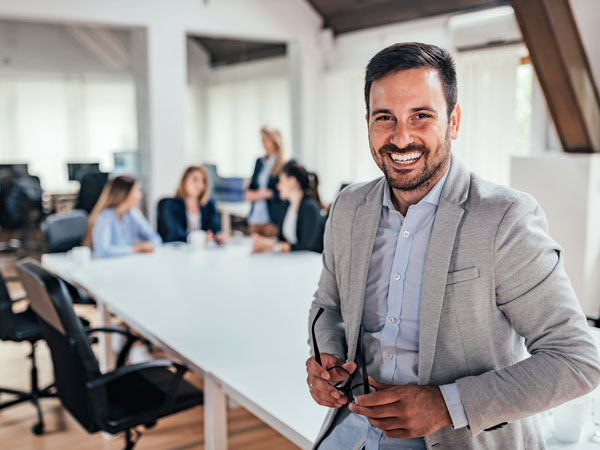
column 454, row 405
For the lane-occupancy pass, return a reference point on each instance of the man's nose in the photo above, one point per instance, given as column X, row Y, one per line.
column 401, row 136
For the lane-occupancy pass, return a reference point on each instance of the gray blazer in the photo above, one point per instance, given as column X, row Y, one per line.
column 494, row 288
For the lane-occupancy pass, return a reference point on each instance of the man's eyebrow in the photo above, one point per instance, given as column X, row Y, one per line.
column 382, row 111
column 423, row 108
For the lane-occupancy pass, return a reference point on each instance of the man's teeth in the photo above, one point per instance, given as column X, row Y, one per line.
column 405, row 158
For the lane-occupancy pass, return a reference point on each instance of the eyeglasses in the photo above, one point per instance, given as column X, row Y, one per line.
column 345, row 386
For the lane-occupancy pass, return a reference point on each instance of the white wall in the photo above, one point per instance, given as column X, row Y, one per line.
column 167, row 24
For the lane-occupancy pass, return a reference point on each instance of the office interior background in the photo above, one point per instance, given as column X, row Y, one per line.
column 150, row 87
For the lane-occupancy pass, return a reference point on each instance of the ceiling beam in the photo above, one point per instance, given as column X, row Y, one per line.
column 550, row 32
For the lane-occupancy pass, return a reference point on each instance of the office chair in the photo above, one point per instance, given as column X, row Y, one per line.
column 116, row 401
column 90, row 190
column 20, row 209
column 64, row 231
column 22, row 327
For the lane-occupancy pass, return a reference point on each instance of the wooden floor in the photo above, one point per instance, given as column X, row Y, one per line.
column 182, row 431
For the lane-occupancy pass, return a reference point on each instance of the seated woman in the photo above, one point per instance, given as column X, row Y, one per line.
column 302, row 225
column 192, row 209
column 116, row 226
column 262, row 192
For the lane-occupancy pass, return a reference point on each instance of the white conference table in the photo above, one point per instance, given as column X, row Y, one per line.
column 238, row 319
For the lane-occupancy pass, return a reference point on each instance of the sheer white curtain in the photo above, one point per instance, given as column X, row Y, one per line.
column 235, row 113
column 49, row 120
column 487, row 94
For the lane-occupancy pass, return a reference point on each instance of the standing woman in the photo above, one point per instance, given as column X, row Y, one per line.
column 302, row 225
column 116, row 226
column 192, row 209
column 262, row 192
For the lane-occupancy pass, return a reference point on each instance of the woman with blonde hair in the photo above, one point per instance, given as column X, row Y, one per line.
column 116, row 226
column 192, row 209
column 263, row 193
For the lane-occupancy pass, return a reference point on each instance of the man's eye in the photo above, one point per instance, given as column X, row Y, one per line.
column 384, row 118
column 423, row 116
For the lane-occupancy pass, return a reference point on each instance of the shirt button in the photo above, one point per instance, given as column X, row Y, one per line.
column 396, row 276
column 388, row 355
column 406, row 233
column 391, row 320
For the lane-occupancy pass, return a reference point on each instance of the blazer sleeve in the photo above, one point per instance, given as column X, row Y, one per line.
column 329, row 330
column 143, row 228
column 254, row 180
column 308, row 228
column 102, row 245
column 534, row 293
column 211, row 219
column 173, row 226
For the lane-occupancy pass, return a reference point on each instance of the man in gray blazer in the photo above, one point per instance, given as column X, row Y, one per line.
column 445, row 288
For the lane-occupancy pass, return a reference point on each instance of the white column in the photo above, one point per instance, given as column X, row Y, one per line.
column 167, row 93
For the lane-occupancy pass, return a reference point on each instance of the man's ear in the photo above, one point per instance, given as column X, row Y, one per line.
column 455, row 121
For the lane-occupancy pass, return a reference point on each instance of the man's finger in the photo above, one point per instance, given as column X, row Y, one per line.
column 377, row 412
column 315, row 369
column 381, row 397
column 379, row 386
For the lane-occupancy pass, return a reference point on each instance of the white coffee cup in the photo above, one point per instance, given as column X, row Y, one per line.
column 569, row 419
column 81, row 255
column 197, row 238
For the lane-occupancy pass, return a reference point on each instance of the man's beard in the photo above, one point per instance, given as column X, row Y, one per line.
column 427, row 174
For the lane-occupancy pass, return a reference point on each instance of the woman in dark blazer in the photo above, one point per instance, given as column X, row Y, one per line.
column 191, row 209
column 267, row 206
column 302, row 224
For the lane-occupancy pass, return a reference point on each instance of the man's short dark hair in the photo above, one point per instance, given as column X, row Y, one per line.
column 413, row 55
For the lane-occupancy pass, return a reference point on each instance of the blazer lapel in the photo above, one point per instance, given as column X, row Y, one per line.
column 441, row 243
column 364, row 229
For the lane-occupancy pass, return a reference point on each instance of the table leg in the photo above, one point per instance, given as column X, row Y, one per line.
column 215, row 416
column 226, row 223
column 107, row 355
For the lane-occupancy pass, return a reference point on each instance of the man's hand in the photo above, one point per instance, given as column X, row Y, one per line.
column 321, row 381
column 405, row 411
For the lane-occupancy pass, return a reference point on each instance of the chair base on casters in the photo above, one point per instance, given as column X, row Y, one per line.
column 32, row 396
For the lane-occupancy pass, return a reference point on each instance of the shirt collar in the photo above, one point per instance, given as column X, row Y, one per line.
column 432, row 197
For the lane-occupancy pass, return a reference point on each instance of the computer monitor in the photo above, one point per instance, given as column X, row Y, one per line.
column 78, row 170
column 13, row 169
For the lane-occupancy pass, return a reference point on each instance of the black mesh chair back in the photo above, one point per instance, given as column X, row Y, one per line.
column 64, row 231
column 90, row 190
column 72, row 357
column 20, row 201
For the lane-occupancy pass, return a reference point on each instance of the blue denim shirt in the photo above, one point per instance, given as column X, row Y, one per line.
column 112, row 236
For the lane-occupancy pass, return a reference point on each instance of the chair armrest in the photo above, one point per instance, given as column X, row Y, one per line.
column 122, row 371
column 111, row 330
column 131, row 338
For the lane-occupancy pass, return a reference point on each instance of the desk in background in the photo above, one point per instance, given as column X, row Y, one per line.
column 229, row 210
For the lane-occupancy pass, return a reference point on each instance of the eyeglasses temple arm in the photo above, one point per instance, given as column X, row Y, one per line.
column 365, row 375
column 314, row 339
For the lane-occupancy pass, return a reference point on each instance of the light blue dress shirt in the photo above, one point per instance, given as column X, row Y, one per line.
column 260, row 211
column 391, row 319
column 112, row 236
